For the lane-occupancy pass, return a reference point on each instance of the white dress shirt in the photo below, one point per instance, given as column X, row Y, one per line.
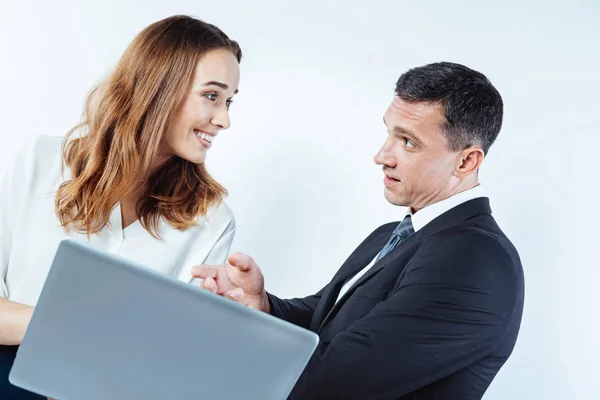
column 30, row 231
column 419, row 220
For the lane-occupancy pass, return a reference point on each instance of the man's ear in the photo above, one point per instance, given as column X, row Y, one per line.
column 469, row 162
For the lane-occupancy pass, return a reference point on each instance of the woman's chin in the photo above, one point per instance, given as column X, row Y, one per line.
column 196, row 157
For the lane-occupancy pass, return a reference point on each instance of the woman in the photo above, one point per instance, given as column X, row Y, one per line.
column 130, row 178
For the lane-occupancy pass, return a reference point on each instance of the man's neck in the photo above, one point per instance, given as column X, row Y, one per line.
column 462, row 187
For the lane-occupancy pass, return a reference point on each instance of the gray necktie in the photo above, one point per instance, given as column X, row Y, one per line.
column 402, row 231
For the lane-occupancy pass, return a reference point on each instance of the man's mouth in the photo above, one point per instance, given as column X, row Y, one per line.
column 390, row 177
column 389, row 180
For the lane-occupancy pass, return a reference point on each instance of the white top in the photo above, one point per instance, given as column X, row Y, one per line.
column 419, row 220
column 30, row 231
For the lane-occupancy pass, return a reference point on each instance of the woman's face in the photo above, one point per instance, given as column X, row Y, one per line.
column 205, row 110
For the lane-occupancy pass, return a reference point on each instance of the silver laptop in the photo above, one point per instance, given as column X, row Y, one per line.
column 107, row 328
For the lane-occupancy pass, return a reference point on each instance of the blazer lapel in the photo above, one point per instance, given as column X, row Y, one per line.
column 361, row 257
column 378, row 266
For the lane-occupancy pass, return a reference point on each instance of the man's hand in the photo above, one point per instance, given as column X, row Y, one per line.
column 239, row 279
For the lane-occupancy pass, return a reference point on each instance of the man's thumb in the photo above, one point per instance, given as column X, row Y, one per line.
column 241, row 261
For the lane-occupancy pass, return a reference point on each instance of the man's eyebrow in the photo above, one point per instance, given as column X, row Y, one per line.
column 405, row 132
column 223, row 86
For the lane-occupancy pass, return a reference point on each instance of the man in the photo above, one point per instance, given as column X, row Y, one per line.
column 425, row 308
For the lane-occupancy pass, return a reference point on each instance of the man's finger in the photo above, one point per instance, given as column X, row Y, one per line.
column 235, row 294
column 241, row 261
column 205, row 271
column 203, row 284
column 210, row 285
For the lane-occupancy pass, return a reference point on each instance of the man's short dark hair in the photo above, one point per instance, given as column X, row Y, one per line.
column 472, row 106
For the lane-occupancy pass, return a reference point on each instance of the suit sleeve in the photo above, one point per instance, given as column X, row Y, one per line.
column 445, row 315
column 297, row 311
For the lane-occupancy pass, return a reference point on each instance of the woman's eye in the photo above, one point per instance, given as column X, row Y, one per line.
column 228, row 103
column 211, row 96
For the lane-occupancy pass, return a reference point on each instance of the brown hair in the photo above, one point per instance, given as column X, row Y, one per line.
column 123, row 130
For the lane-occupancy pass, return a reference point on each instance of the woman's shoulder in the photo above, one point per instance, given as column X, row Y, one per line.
column 41, row 159
column 220, row 216
column 38, row 155
column 45, row 146
column 40, row 150
column 217, row 223
column 34, row 171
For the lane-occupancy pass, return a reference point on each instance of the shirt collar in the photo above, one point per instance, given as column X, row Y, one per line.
column 432, row 211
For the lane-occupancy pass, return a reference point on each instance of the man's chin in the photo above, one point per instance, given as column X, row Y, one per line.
column 394, row 199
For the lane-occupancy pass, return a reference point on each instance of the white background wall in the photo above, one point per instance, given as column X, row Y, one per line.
column 316, row 79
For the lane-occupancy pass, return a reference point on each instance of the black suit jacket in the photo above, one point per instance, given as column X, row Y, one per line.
column 436, row 318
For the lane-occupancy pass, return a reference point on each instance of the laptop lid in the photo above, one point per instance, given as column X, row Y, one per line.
column 107, row 328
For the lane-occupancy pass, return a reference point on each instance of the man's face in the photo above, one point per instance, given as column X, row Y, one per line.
column 418, row 164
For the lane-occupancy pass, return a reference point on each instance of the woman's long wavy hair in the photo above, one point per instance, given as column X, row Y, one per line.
column 113, row 151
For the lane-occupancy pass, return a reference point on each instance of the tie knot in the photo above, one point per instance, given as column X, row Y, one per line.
column 405, row 228
column 402, row 231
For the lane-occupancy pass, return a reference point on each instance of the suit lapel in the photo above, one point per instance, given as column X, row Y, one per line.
column 378, row 266
column 361, row 257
